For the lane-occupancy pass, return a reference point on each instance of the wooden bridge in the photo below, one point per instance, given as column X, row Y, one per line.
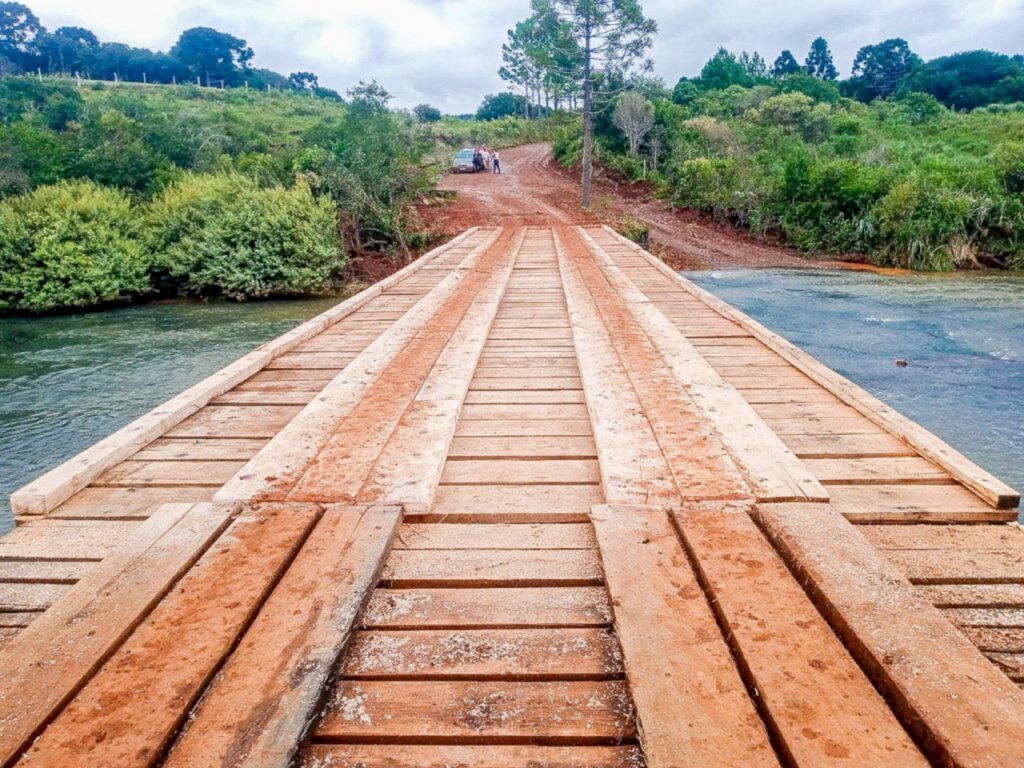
column 534, row 501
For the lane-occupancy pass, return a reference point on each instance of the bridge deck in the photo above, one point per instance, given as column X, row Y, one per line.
column 534, row 501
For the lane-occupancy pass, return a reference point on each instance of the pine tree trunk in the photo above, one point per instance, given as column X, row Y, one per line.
column 588, row 122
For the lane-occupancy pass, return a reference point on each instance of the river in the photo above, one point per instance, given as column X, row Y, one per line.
column 68, row 381
column 962, row 336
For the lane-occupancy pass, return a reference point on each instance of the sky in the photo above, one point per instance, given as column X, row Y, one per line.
column 447, row 52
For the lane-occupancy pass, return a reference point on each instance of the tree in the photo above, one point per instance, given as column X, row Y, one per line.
column 969, row 79
column 214, row 56
column 685, row 91
column 78, row 35
column 612, row 35
column 755, row 65
column 878, row 69
column 634, row 116
column 426, row 113
column 497, row 105
column 722, row 70
column 369, row 97
column 20, row 34
column 786, row 64
column 819, row 61
column 304, row 81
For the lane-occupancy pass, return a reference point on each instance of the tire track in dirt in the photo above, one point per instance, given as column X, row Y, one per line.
column 533, row 190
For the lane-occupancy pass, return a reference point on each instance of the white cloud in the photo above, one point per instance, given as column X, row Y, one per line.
column 447, row 52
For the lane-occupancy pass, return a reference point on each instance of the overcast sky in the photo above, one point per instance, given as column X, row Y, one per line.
column 447, row 52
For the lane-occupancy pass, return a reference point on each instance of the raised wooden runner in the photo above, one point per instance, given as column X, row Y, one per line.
column 41, row 669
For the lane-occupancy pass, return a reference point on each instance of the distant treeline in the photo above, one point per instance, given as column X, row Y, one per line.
column 202, row 56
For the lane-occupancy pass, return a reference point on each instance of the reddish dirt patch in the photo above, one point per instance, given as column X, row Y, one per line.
column 534, row 190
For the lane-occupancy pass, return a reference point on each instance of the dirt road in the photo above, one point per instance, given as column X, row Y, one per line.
column 534, row 190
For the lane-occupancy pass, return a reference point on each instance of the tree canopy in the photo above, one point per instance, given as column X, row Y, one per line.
column 878, row 69
column 819, row 61
column 785, row 64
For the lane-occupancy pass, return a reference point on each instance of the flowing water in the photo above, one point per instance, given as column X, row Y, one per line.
column 68, row 381
column 962, row 336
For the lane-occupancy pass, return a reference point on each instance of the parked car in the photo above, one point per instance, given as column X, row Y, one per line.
column 463, row 162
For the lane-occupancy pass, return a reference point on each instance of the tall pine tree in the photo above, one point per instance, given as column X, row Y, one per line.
column 819, row 61
column 786, row 64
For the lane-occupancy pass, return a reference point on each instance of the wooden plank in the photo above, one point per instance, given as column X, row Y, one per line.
column 532, row 504
column 484, row 654
column 164, row 665
column 488, row 607
column 531, row 397
column 72, row 639
column 1012, row 664
column 560, row 712
column 517, row 471
column 973, row 595
column 65, row 539
column 632, row 465
column 138, row 473
column 409, row 468
column 17, row 619
column 873, row 471
column 200, row 449
column 987, row 617
column 449, row 536
column 355, row 395
column 260, row 705
column 236, row 421
column 767, row 465
column 483, row 567
column 789, row 654
column 511, row 373
column 49, row 490
column 540, row 383
column 951, row 566
column 245, row 397
column 996, row 639
column 990, row 488
column 451, row 755
column 908, row 648
column 824, row 446
column 783, row 395
column 30, row 597
column 688, row 693
column 522, row 447
column 1008, row 537
column 524, row 411
column 127, row 503
column 45, row 571
column 523, row 428
column 927, row 503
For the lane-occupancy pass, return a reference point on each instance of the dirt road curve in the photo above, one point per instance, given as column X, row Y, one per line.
column 534, row 190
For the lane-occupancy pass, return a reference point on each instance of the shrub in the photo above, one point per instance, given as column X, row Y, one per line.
column 924, row 226
column 69, row 245
column 794, row 112
column 225, row 236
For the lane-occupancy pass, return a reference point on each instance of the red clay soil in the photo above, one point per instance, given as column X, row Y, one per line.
column 534, row 190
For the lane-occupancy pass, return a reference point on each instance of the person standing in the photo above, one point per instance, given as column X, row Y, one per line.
column 496, row 162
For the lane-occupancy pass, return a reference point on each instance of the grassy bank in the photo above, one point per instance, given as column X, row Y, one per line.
column 115, row 194
column 906, row 182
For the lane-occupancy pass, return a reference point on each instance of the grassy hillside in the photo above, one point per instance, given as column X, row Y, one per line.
column 906, row 181
column 116, row 193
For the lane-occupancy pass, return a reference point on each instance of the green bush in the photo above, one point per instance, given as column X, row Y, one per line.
column 72, row 244
column 225, row 236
